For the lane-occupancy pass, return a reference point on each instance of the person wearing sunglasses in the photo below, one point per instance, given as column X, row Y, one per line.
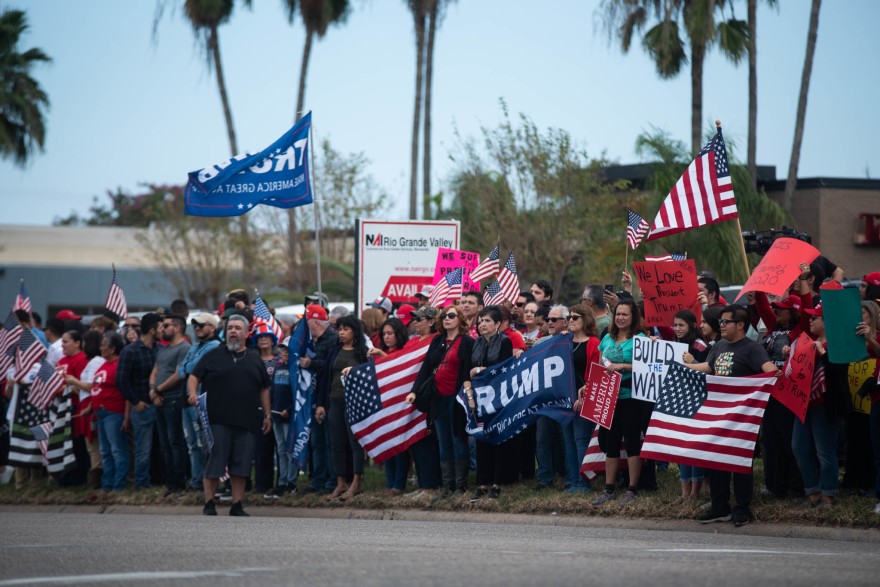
column 448, row 362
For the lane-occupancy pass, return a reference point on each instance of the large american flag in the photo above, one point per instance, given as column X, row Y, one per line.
column 508, row 279
column 46, row 386
column 702, row 195
column 449, row 286
column 667, row 257
column 22, row 300
column 9, row 335
column 263, row 315
column 493, row 295
column 707, row 420
column 488, row 268
column 375, row 402
column 636, row 229
column 28, row 353
column 116, row 298
column 593, row 463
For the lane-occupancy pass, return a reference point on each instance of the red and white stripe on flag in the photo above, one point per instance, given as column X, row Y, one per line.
column 397, row 425
column 593, row 463
column 46, row 386
column 702, row 195
column 28, row 353
column 488, row 268
column 722, row 433
column 116, row 298
column 508, row 280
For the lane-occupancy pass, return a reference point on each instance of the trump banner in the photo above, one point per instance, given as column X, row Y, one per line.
column 276, row 176
column 302, row 388
column 514, row 393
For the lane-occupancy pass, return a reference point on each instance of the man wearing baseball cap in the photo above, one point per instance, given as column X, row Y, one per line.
column 424, row 295
column 384, row 304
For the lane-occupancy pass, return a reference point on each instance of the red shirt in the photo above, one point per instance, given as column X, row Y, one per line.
column 105, row 394
column 447, row 373
column 73, row 365
column 516, row 338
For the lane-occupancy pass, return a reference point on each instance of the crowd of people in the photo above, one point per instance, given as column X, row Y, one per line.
column 142, row 380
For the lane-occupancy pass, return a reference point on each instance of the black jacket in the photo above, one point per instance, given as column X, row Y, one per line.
column 437, row 352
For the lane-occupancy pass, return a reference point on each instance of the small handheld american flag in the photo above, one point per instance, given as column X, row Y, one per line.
column 116, row 298
column 488, row 268
column 449, row 286
column 22, row 300
column 636, row 229
column 508, row 279
column 262, row 313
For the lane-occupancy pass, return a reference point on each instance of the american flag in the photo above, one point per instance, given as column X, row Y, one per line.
column 702, row 195
column 508, row 279
column 668, row 257
column 637, row 228
column 707, row 420
column 375, row 402
column 262, row 314
column 9, row 335
column 593, row 463
column 46, row 386
column 449, row 286
column 488, row 268
column 493, row 295
column 42, row 433
column 22, row 300
column 116, row 298
column 28, row 353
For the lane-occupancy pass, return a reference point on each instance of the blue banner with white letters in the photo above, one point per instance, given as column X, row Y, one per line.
column 276, row 176
column 511, row 395
column 302, row 386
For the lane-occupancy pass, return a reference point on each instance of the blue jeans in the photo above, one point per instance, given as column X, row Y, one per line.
column 114, row 450
column 287, row 467
column 576, row 436
column 690, row 473
column 546, row 432
column 323, row 475
column 396, row 469
column 815, row 448
column 452, row 448
column 191, row 426
column 169, row 421
column 143, row 423
column 875, row 442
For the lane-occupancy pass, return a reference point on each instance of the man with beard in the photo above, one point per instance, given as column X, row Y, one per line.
column 166, row 392
column 237, row 385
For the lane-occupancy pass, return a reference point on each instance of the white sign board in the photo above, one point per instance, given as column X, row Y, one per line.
column 651, row 360
column 396, row 259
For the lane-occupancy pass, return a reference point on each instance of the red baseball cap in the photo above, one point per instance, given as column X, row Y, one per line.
column 315, row 311
column 873, row 278
column 789, row 303
column 68, row 315
column 404, row 312
column 817, row 311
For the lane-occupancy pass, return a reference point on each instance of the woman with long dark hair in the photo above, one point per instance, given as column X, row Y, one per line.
column 617, row 352
column 350, row 351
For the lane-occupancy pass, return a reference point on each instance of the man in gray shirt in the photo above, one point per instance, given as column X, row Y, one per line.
column 167, row 394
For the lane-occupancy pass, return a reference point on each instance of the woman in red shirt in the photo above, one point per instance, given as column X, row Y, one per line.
column 113, row 416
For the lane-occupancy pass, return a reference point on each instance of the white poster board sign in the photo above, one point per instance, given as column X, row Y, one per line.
column 396, row 259
column 650, row 364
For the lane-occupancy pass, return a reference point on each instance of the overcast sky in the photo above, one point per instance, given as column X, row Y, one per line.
column 127, row 108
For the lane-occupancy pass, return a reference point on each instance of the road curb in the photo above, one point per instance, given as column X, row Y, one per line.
column 407, row 515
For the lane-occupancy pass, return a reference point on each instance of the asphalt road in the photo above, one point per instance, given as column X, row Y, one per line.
column 76, row 548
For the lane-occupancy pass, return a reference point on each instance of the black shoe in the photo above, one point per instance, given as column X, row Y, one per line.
column 710, row 517
column 276, row 492
column 210, row 509
column 494, row 493
column 237, row 510
column 479, row 494
column 740, row 518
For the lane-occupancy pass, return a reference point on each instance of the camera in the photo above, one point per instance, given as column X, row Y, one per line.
column 760, row 241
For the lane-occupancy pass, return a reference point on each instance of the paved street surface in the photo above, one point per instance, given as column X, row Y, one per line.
column 75, row 548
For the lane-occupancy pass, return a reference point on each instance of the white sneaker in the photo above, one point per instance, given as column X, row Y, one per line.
column 877, row 509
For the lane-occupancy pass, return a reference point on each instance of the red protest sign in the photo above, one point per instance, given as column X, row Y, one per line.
column 600, row 395
column 780, row 266
column 793, row 386
column 668, row 287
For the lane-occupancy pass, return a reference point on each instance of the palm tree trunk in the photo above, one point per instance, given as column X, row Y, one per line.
column 294, row 276
column 429, row 74
column 753, row 93
column 791, row 182
column 419, row 18
column 247, row 265
column 698, row 54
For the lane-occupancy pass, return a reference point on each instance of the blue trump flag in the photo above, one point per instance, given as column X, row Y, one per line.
column 302, row 386
column 511, row 395
column 277, row 176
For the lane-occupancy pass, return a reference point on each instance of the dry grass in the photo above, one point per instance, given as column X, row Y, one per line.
column 851, row 511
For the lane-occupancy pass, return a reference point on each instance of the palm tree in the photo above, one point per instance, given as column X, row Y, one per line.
column 791, row 181
column 419, row 9
column 317, row 16
column 22, row 100
column 663, row 42
column 751, row 154
column 433, row 12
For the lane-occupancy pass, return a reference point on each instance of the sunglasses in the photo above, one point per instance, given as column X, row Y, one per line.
column 450, row 315
column 725, row 322
column 575, row 317
column 520, row 304
column 554, row 320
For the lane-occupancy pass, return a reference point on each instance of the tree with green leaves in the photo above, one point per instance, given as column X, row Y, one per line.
column 22, row 101
column 715, row 247
column 317, row 16
column 705, row 23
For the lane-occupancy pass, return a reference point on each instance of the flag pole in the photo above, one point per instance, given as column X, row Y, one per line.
column 739, row 233
column 316, row 215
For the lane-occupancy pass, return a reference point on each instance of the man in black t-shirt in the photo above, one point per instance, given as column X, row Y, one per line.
column 735, row 355
column 237, row 385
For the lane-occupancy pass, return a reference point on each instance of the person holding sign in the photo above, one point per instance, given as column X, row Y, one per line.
column 815, row 440
column 617, row 352
column 584, row 352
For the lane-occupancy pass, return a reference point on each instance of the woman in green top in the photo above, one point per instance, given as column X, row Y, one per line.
column 617, row 351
